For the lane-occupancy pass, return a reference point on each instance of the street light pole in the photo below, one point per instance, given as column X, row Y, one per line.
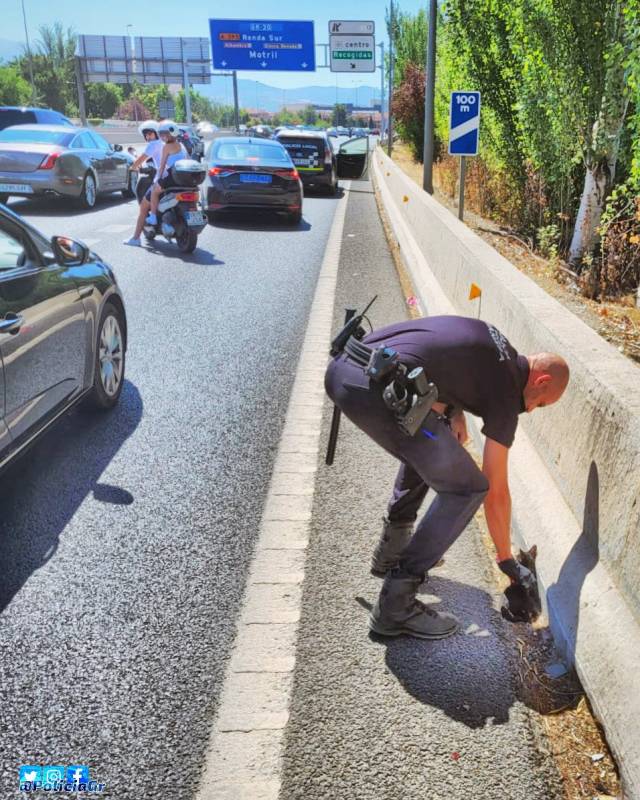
column 26, row 33
column 133, row 61
column 429, row 100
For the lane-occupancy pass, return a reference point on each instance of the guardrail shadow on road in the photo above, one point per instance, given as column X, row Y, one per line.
column 41, row 493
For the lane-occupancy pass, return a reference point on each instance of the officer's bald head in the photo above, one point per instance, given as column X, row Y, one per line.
column 548, row 378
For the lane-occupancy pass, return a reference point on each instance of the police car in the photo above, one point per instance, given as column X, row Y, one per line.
column 313, row 156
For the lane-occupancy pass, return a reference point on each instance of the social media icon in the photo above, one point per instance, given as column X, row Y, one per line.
column 30, row 773
column 52, row 774
column 77, row 774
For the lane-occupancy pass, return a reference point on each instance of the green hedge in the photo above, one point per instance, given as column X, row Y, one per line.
column 96, row 121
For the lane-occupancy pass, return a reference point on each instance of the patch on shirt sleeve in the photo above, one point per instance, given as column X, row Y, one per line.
column 501, row 343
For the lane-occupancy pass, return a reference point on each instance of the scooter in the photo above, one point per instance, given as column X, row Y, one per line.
column 180, row 214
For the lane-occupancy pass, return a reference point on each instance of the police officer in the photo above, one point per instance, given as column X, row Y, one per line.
column 475, row 369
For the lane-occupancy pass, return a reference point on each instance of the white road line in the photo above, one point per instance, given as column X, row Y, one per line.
column 244, row 753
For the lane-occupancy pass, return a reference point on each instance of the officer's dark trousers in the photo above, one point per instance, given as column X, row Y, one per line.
column 437, row 461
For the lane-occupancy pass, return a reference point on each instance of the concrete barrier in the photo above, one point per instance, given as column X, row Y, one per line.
column 574, row 467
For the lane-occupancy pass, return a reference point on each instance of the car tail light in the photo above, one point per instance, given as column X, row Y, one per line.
column 190, row 197
column 220, row 172
column 327, row 157
column 50, row 160
column 288, row 174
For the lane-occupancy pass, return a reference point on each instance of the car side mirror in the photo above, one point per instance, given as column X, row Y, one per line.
column 117, row 148
column 69, row 251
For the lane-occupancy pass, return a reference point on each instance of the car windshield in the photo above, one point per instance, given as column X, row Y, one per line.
column 238, row 152
column 35, row 136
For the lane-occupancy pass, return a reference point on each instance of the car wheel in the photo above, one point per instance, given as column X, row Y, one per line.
column 88, row 193
column 109, row 359
column 187, row 242
column 130, row 191
column 4, row 199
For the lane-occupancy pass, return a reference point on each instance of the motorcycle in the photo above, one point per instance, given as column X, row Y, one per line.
column 180, row 214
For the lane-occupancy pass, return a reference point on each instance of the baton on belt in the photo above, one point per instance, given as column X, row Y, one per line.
column 335, row 419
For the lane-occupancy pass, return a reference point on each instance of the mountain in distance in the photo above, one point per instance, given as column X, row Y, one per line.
column 255, row 94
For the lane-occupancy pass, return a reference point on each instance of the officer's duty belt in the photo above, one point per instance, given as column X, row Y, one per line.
column 358, row 352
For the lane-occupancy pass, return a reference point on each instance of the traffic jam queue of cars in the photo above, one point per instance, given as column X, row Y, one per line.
column 63, row 324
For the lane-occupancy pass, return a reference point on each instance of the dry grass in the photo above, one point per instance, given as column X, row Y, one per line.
column 617, row 321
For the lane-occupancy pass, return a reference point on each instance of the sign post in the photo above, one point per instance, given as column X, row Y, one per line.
column 263, row 45
column 464, row 133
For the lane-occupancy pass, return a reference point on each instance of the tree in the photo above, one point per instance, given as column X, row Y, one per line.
column 408, row 108
column 14, row 89
column 103, row 99
column 309, row 116
column 132, row 109
column 53, row 67
column 339, row 115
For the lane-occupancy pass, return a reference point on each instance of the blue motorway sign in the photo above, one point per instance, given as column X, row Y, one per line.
column 259, row 44
column 464, row 126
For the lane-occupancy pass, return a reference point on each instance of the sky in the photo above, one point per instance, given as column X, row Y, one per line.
column 171, row 18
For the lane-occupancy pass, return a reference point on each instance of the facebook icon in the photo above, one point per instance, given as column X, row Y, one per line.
column 77, row 774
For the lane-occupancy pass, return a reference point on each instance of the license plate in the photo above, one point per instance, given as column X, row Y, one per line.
column 195, row 218
column 255, row 178
column 16, row 188
column 301, row 162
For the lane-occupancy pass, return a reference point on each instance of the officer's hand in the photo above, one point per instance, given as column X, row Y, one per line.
column 518, row 573
column 459, row 428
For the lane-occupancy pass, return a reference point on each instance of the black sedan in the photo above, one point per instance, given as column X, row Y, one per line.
column 60, row 161
column 63, row 332
column 247, row 173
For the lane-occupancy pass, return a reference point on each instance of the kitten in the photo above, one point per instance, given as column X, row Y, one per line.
column 520, row 604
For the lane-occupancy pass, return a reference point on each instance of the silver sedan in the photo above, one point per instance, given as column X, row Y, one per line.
column 55, row 160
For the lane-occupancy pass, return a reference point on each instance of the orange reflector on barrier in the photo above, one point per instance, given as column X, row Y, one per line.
column 474, row 292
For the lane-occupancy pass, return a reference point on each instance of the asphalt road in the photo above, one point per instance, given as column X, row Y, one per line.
column 399, row 719
column 124, row 538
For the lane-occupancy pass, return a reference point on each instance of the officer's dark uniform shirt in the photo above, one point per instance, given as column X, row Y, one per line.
column 472, row 364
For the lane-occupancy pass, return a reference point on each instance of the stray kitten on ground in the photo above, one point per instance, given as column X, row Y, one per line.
column 520, row 604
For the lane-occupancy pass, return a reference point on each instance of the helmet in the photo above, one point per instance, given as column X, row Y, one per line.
column 170, row 127
column 148, row 125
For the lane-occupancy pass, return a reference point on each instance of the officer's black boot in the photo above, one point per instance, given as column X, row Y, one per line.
column 398, row 611
column 395, row 537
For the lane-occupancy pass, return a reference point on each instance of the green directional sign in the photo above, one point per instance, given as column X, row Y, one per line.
column 352, row 55
column 352, row 52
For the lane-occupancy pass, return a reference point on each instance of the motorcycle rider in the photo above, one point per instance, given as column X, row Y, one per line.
column 172, row 151
column 153, row 151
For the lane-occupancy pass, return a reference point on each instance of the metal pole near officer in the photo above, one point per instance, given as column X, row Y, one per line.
column 429, row 100
column 464, row 133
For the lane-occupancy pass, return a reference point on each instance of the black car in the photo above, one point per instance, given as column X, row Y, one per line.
column 192, row 142
column 313, row 156
column 63, row 332
column 244, row 172
column 17, row 115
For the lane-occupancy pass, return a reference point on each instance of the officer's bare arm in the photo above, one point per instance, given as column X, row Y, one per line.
column 497, row 503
